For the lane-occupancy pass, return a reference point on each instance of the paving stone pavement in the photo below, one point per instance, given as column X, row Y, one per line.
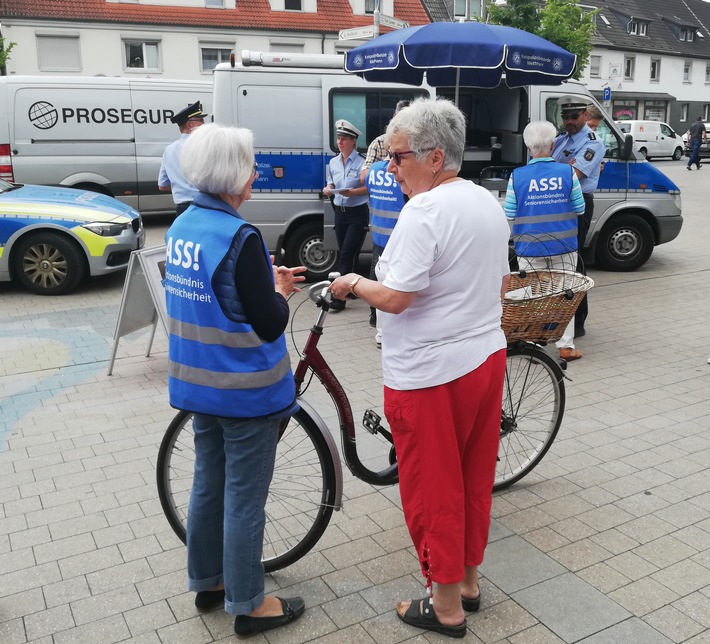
column 607, row 541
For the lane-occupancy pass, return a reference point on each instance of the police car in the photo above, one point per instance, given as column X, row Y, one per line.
column 52, row 238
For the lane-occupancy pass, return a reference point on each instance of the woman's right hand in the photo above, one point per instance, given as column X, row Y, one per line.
column 326, row 190
column 285, row 279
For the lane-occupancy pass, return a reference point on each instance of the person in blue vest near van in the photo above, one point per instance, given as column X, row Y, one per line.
column 544, row 202
column 386, row 202
column 171, row 177
column 228, row 364
column 580, row 148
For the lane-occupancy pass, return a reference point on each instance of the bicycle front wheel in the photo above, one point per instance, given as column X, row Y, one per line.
column 533, row 405
column 301, row 496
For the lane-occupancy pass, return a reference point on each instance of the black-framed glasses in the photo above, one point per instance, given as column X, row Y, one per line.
column 397, row 156
column 571, row 116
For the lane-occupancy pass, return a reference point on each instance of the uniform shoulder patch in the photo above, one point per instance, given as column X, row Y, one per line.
column 588, row 154
column 592, row 136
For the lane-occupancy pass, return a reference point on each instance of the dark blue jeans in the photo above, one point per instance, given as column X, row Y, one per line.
column 351, row 227
column 694, row 153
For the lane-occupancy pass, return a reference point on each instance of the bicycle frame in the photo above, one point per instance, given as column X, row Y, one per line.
column 312, row 359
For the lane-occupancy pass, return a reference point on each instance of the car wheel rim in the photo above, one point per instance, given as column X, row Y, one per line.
column 314, row 256
column 624, row 244
column 44, row 266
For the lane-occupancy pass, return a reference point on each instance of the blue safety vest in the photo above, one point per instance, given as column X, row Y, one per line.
column 545, row 222
column 218, row 365
column 386, row 202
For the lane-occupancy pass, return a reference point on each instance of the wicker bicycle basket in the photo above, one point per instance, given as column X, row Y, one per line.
column 539, row 304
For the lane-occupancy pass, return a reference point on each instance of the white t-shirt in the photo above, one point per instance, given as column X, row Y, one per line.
column 450, row 246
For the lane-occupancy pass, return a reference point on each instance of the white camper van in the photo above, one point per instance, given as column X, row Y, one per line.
column 95, row 133
column 292, row 101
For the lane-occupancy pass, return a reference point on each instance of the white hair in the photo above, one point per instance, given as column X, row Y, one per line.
column 428, row 124
column 218, row 159
column 539, row 137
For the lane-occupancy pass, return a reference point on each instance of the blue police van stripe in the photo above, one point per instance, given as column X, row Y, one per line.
column 290, row 171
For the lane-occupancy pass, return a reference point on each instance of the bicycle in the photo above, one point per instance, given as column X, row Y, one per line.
column 308, row 479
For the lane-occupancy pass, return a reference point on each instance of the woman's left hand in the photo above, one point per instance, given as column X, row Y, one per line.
column 341, row 286
column 285, row 278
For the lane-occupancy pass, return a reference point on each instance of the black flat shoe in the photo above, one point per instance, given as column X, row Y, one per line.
column 292, row 609
column 421, row 614
column 206, row 599
column 471, row 605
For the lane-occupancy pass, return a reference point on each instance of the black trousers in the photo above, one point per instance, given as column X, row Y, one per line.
column 182, row 207
column 583, row 223
column 351, row 226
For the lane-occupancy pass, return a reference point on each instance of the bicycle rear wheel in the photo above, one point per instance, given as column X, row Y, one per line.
column 533, row 405
column 301, row 496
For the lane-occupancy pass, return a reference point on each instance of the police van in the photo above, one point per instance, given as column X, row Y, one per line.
column 291, row 102
column 101, row 134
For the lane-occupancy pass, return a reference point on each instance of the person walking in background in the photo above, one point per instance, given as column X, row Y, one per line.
column 544, row 201
column 580, row 148
column 697, row 135
column 171, row 177
column 386, row 202
column 349, row 198
column 442, row 276
column 228, row 364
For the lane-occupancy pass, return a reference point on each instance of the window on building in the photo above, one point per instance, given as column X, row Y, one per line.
column 655, row 69
column 637, row 28
column 369, row 7
column 142, row 54
column 595, row 66
column 706, row 113
column 58, row 53
column 687, row 68
column 286, row 48
column 684, row 112
column 624, row 110
column 459, row 8
column 293, row 5
column 586, row 9
column 687, row 35
column 212, row 55
column 217, row 4
column 707, row 72
column 629, row 66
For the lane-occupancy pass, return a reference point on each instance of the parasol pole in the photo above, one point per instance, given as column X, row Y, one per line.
column 456, row 89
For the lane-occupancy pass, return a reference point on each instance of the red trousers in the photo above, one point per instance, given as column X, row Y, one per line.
column 446, row 439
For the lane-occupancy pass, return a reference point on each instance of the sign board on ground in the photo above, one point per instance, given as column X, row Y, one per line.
column 357, row 33
column 392, row 23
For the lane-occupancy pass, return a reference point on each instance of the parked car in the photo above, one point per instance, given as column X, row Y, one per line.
column 704, row 147
column 52, row 238
column 653, row 139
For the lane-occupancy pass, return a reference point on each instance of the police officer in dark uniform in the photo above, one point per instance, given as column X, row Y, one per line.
column 580, row 148
column 171, row 176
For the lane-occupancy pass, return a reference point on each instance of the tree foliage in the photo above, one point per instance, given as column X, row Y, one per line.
column 5, row 49
column 559, row 21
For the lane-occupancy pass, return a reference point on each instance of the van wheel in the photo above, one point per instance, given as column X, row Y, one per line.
column 47, row 263
column 677, row 154
column 644, row 152
column 625, row 243
column 304, row 247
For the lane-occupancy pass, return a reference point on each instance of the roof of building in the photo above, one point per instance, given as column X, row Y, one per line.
column 332, row 15
column 664, row 21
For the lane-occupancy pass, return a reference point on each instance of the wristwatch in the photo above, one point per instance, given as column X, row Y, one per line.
column 354, row 283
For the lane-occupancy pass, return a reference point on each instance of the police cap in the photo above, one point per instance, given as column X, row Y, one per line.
column 346, row 128
column 190, row 112
column 571, row 104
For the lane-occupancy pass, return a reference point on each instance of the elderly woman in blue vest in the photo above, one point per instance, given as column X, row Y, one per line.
column 349, row 197
column 228, row 364
column 543, row 201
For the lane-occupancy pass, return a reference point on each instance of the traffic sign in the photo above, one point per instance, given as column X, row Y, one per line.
column 357, row 33
column 607, row 93
column 393, row 23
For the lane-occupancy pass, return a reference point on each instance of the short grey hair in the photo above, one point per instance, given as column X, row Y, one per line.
column 218, row 159
column 539, row 136
column 593, row 112
column 428, row 124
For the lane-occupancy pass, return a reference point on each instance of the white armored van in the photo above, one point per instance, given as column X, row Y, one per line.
column 292, row 101
column 95, row 133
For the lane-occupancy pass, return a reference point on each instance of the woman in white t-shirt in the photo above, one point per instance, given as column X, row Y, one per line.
column 443, row 355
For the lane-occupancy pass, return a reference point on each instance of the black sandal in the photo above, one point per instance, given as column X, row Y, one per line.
column 471, row 604
column 421, row 614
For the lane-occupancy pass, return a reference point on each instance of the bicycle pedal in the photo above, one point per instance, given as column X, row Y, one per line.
column 371, row 421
